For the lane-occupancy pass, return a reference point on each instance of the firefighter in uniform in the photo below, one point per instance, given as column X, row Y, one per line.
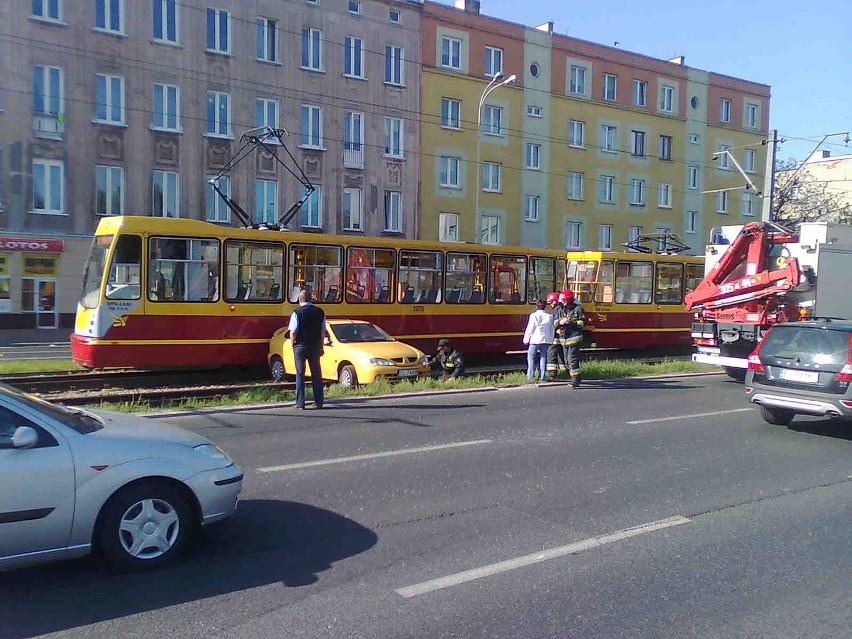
column 449, row 359
column 573, row 323
column 556, row 362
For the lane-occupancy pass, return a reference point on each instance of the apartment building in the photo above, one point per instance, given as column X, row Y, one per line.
column 818, row 190
column 129, row 107
column 577, row 145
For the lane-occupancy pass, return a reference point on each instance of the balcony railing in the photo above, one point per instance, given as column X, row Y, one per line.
column 353, row 156
column 47, row 125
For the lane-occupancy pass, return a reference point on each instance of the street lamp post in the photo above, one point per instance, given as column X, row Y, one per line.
column 496, row 82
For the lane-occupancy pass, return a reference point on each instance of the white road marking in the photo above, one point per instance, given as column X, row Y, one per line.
column 538, row 557
column 693, row 416
column 387, row 453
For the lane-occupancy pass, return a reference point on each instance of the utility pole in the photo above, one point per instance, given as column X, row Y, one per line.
column 769, row 189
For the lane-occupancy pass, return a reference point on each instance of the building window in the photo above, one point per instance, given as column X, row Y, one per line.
column 267, row 40
column 609, row 87
column 448, row 227
column 492, row 119
column 109, row 92
column 493, row 61
column 490, row 231
column 573, row 234
column 451, row 53
column 640, row 93
column 609, row 136
column 109, row 190
column 637, row 192
column 666, row 99
column 531, row 208
column 393, row 16
column 691, row 221
column 353, row 139
column 724, row 110
column 693, row 138
column 533, row 111
column 607, row 189
column 109, row 15
column 48, row 90
column 665, row 147
column 633, row 233
column 393, row 65
column 491, row 177
column 353, row 61
column 166, row 19
column 637, row 143
column 748, row 204
column 49, row 187
column 218, row 22
column 46, row 9
column 354, row 6
column 265, row 201
column 312, row 49
column 750, row 160
column 311, row 126
column 393, row 137
column 577, row 82
column 217, row 210
column 575, row 185
column 166, row 107
column 576, row 133
column 311, row 213
column 722, row 157
column 393, row 211
column 353, row 212
column 722, row 202
column 751, row 116
column 533, row 156
column 166, row 194
column 692, row 177
column 450, row 113
column 218, row 114
column 266, row 113
column 605, row 237
column 664, row 196
column 449, row 173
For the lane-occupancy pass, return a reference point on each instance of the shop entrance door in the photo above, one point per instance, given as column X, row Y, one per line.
column 46, row 316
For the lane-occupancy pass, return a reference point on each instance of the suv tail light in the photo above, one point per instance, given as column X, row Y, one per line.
column 845, row 374
column 754, row 363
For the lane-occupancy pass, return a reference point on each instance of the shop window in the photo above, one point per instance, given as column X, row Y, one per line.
column 634, row 282
column 317, row 268
column 508, row 283
column 125, row 272
column 254, row 271
column 465, row 283
column 183, row 269
column 603, row 289
column 369, row 275
column 669, row 289
column 542, row 279
column 694, row 273
column 5, row 302
column 420, row 275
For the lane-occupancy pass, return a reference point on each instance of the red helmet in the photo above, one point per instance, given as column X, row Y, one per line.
column 552, row 298
column 566, row 296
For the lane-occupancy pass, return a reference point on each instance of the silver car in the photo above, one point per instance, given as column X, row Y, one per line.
column 74, row 481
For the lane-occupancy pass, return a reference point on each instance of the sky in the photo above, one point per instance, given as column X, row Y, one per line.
column 802, row 49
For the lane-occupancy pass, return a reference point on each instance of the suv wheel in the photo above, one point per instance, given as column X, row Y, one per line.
column 777, row 416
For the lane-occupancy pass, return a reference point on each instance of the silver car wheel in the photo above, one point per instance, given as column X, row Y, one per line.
column 149, row 528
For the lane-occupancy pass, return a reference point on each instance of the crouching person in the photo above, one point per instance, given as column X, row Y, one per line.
column 449, row 360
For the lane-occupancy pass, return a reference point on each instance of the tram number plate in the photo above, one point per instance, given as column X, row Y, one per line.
column 807, row 377
column 411, row 372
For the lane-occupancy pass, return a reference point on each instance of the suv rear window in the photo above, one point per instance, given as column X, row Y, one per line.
column 807, row 346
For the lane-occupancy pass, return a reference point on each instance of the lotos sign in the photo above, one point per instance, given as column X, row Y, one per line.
column 28, row 244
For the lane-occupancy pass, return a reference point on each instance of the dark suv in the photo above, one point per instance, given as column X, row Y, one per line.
column 802, row 368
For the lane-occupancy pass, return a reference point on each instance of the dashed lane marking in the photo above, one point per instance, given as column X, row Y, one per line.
column 693, row 416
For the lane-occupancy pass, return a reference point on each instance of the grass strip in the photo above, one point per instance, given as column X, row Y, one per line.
column 37, row 366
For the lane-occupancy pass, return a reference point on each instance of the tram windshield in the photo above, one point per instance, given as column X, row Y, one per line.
column 93, row 274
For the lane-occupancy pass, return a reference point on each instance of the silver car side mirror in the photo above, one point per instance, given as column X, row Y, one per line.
column 24, row 437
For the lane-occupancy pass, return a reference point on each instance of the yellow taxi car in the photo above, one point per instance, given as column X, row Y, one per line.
column 358, row 353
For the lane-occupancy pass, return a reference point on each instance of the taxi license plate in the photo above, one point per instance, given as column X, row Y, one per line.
column 807, row 377
column 412, row 372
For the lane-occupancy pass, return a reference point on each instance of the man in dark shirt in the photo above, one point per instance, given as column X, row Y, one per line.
column 449, row 359
column 307, row 333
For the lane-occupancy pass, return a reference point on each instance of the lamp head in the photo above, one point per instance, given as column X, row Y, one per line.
column 510, row 79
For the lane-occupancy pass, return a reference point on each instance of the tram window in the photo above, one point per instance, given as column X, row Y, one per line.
column 254, row 271
column 125, row 272
column 634, row 282
column 369, row 275
column 420, row 274
column 508, row 279
column 585, row 280
column 465, row 282
column 542, row 278
column 561, row 274
column 694, row 275
column 669, row 289
column 318, row 268
column 603, row 291
column 93, row 274
column 183, row 269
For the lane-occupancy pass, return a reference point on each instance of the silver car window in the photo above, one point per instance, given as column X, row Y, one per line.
column 80, row 421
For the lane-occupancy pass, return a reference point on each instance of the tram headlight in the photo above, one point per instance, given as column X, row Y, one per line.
column 380, row 361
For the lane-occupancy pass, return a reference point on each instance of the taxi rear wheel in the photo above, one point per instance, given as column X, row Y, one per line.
column 347, row 377
column 276, row 369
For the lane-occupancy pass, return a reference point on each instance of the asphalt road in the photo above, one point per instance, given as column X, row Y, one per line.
column 637, row 509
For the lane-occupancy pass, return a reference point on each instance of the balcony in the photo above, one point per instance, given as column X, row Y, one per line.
column 353, row 155
column 48, row 126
